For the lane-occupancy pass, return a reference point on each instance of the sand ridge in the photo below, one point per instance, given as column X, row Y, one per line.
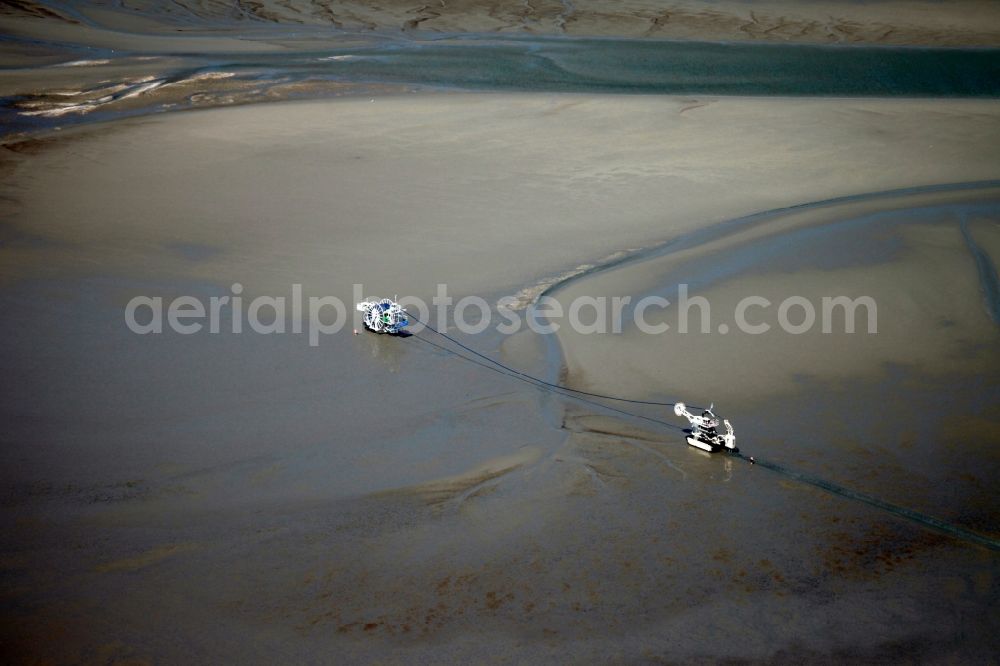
column 909, row 22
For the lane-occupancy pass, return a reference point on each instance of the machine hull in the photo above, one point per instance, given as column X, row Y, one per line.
column 704, row 446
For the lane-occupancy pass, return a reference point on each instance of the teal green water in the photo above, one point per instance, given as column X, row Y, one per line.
column 631, row 66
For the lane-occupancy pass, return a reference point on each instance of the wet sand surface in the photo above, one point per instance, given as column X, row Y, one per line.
column 240, row 497
column 224, row 497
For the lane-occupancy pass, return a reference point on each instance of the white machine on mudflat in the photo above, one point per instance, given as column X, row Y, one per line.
column 704, row 433
column 383, row 315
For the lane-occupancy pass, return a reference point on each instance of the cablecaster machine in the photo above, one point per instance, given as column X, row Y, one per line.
column 383, row 315
column 704, row 433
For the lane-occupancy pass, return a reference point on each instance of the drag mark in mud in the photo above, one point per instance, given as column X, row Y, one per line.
column 899, row 511
column 987, row 272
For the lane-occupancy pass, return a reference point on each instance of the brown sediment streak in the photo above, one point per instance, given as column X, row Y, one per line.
column 943, row 24
column 425, row 13
column 36, row 9
column 461, row 487
column 146, row 559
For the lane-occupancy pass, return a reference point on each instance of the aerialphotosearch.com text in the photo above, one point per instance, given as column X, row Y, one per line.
column 318, row 316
